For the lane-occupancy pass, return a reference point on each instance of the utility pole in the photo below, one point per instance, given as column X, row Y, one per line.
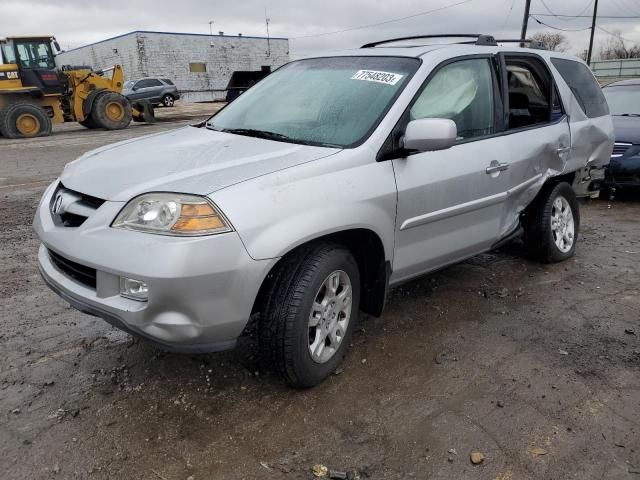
column 267, row 20
column 593, row 31
column 525, row 22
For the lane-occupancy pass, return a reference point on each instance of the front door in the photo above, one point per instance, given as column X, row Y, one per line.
column 450, row 202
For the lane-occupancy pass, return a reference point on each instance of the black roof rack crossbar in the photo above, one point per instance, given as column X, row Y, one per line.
column 480, row 39
column 535, row 44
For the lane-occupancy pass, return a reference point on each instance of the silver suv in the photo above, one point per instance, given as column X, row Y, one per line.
column 328, row 182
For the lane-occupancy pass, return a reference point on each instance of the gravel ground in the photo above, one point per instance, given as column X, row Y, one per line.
column 536, row 367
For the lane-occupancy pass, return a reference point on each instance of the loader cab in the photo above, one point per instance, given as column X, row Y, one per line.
column 35, row 59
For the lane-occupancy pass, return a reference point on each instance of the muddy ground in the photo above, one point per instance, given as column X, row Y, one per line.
column 536, row 367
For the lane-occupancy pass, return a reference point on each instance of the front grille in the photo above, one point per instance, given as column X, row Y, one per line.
column 619, row 149
column 80, row 273
column 70, row 208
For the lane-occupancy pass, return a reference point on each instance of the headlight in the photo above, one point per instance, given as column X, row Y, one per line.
column 172, row 214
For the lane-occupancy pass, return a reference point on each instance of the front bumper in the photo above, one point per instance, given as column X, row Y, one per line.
column 201, row 289
column 624, row 171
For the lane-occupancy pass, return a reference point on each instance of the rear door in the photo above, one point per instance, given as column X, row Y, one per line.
column 536, row 130
column 147, row 89
column 592, row 134
column 450, row 202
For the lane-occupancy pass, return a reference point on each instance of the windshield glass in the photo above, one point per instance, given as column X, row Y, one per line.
column 623, row 100
column 35, row 54
column 129, row 85
column 335, row 101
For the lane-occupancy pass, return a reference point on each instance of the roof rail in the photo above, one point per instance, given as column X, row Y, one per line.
column 535, row 44
column 480, row 39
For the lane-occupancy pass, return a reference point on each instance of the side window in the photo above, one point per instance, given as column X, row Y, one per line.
column 462, row 92
column 9, row 54
column 148, row 82
column 583, row 85
column 529, row 86
column 167, row 81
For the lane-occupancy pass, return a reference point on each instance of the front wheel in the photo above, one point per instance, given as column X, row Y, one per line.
column 552, row 223
column 111, row 111
column 309, row 313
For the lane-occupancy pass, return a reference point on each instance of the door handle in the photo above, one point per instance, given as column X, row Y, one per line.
column 494, row 167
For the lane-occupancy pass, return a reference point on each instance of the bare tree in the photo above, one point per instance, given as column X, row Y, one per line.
column 617, row 47
column 554, row 41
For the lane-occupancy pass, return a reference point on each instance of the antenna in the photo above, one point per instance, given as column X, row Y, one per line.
column 211, row 32
column 266, row 21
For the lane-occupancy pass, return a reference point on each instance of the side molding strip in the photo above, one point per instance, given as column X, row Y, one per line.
column 453, row 211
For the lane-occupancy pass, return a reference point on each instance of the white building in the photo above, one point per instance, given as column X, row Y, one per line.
column 200, row 65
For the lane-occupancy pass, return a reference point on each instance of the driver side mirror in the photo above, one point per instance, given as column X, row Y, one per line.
column 429, row 134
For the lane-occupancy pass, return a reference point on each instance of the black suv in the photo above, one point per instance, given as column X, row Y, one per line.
column 624, row 102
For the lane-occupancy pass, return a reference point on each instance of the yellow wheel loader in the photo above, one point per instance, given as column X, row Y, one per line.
column 34, row 92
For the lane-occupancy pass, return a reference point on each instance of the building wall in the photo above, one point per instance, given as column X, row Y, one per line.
column 168, row 55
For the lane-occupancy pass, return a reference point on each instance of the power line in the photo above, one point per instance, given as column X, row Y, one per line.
column 620, row 17
column 566, row 18
column 383, row 23
column 616, row 35
column 560, row 29
column 513, row 3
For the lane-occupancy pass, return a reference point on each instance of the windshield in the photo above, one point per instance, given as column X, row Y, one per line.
column 129, row 85
column 35, row 54
column 623, row 100
column 335, row 101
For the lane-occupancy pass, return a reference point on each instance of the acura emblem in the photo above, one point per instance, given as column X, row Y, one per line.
column 56, row 208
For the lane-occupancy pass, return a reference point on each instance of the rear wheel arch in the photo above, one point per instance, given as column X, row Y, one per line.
column 368, row 250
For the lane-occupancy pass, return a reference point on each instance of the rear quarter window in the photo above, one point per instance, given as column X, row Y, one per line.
column 583, row 85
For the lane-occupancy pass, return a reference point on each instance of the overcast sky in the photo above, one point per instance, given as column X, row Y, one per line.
column 306, row 22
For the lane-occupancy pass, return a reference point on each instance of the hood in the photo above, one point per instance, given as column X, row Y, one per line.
column 187, row 160
column 627, row 129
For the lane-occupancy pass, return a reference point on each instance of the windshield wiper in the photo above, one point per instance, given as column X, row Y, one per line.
column 252, row 132
column 629, row 115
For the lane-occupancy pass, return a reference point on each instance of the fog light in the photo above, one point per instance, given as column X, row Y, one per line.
column 134, row 289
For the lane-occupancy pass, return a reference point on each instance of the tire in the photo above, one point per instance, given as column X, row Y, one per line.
column 168, row 100
column 88, row 123
column 552, row 223
column 111, row 111
column 286, row 337
column 24, row 120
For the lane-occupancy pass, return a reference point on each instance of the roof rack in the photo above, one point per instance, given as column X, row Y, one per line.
column 536, row 44
column 480, row 39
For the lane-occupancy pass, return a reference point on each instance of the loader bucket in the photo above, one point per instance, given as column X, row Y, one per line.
column 142, row 111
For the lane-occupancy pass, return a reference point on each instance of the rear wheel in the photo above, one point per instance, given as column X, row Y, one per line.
column 111, row 110
column 24, row 120
column 168, row 100
column 310, row 313
column 552, row 223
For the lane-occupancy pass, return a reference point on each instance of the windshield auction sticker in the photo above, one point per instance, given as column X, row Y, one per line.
column 380, row 77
